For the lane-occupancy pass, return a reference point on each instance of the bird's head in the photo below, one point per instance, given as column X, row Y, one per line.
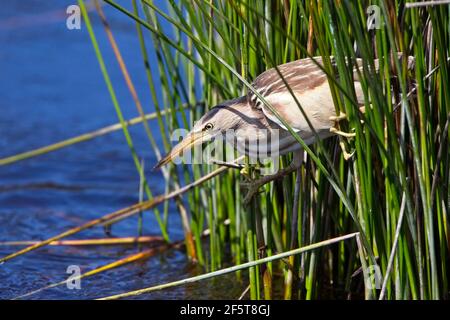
column 215, row 122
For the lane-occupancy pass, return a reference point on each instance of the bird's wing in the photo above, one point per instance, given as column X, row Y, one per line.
column 310, row 86
column 301, row 75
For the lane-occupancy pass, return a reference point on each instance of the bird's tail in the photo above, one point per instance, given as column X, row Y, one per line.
column 393, row 70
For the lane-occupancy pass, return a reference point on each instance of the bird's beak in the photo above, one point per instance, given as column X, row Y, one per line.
column 190, row 141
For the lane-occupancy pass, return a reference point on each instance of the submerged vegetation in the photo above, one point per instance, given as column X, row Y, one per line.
column 384, row 211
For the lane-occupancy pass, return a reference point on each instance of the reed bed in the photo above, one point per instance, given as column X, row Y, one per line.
column 393, row 193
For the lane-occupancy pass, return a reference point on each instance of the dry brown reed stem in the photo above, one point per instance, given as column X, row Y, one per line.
column 92, row 242
column 125, row 72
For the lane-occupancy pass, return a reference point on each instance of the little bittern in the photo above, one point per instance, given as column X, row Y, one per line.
column 250, row 119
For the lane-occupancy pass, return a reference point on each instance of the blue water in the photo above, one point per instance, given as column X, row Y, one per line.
column 51, row 88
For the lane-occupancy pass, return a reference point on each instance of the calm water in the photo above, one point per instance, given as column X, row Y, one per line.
column 51, row 88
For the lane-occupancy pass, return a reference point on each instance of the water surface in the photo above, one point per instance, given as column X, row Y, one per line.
column 51, row 88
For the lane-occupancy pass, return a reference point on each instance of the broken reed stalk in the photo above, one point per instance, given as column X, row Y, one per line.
column 134, row 209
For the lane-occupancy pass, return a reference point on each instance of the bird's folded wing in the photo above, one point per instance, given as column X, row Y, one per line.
column 309, row 85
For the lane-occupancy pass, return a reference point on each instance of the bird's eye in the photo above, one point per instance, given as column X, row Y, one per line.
column 208, row 126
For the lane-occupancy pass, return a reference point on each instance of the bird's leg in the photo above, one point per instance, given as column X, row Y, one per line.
column 342, row 133
column 340, row 117
column 254, row 186
column 343, row 116
column 337, row 119
column 347, row 135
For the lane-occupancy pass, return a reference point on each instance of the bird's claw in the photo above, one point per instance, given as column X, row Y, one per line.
column 340, row 117
column 245, row 172
column 347, row 156
column 341, row 133
column 337, row 119
column 348, row 135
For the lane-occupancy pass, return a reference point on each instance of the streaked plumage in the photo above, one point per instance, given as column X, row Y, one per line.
column 250, row 119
